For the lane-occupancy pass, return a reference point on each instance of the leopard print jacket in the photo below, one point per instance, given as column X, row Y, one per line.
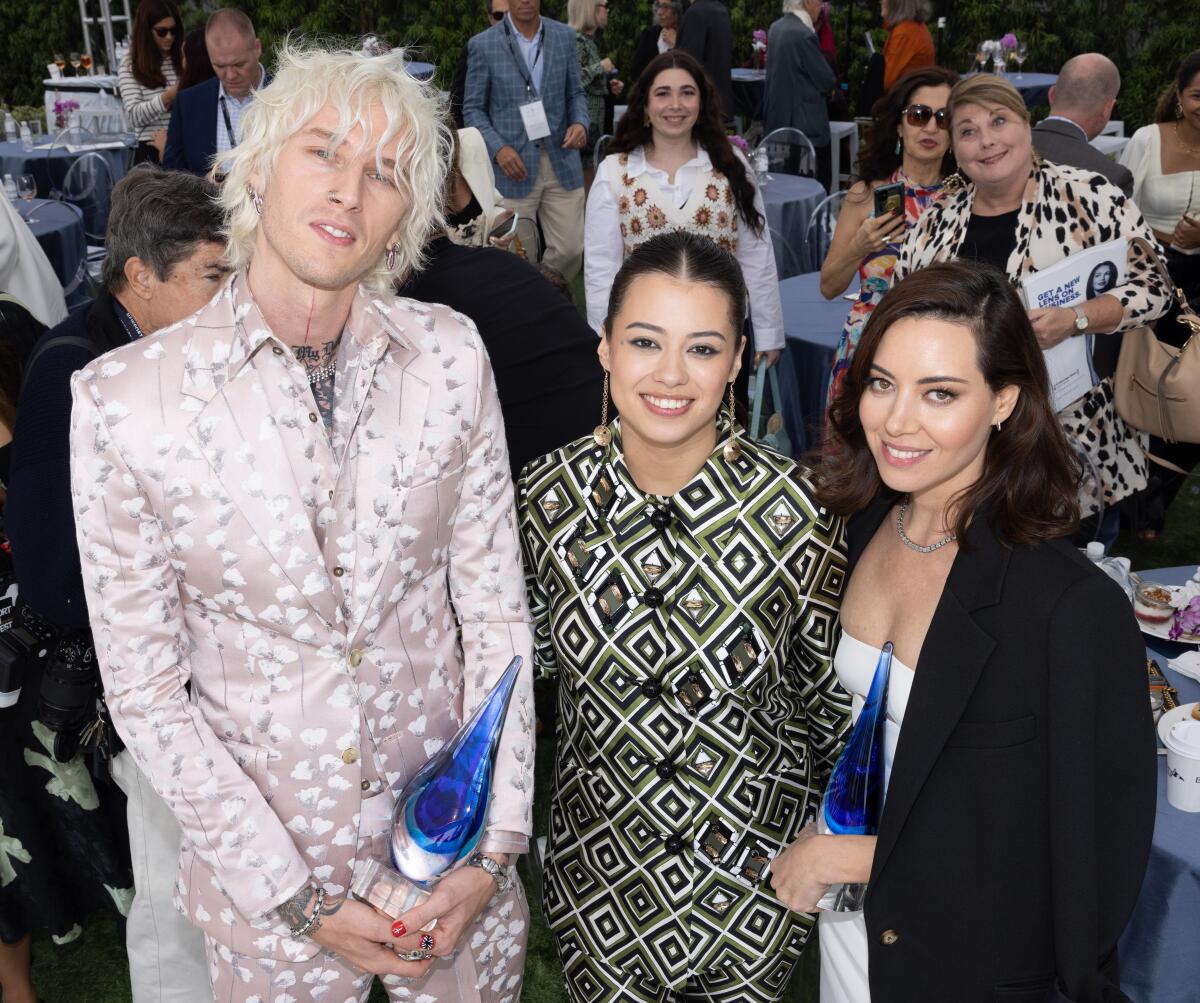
column 1065, row 210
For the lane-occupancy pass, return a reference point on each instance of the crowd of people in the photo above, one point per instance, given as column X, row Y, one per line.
column 333, row 443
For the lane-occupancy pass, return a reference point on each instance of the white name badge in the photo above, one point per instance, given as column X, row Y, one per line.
column 534, row 117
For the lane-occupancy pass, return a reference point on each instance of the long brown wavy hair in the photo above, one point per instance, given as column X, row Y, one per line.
column 146, row 58
column 1030, row 472
column 709, row 131
column 1165, row 109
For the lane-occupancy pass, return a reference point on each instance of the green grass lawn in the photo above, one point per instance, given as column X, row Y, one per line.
column 93, row 968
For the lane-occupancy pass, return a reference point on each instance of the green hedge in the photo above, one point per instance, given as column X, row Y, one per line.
column 1146, row 38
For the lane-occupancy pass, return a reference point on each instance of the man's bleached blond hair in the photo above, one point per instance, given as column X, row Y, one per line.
column 308, row 77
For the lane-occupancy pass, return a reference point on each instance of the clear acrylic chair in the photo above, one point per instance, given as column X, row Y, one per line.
column 819, row 233
column 787, row 262
column 789, row 151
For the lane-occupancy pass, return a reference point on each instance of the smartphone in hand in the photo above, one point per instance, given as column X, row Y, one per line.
column 889, row 199
column 505, row 228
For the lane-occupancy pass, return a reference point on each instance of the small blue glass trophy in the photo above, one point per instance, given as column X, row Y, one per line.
column 853, row 801
column 439, row 816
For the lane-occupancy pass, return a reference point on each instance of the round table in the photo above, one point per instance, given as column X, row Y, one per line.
column 1158, row 955
column 58, row 227
column 812, row 326
column 420, row 71
column 1034, row 87
column 49, row 167
column 749, row 87
column 789, row 201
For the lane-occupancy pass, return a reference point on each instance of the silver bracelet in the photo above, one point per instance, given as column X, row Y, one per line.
column 313, row 923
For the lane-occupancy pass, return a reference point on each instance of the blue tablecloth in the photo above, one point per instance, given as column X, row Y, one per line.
column 58, row 227
column 790, row 200
column 49, row 169
column 812, row 325
column 1034, row 87
column 422, row 71
column 749, row 86
column 1160, row 950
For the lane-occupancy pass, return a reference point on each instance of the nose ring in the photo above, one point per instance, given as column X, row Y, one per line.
column 333, row 197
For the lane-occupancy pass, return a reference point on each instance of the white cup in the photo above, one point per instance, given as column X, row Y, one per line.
column 1183, row 765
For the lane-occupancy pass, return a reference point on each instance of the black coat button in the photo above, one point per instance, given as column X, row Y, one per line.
column 673, row 844
column 660, row 519
column 653, row 597
column 665, row 769
column 651, row 689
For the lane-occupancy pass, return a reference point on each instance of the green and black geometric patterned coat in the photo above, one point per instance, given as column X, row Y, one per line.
column 699, row 714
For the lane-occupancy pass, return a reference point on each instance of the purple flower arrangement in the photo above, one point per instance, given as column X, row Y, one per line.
column 1186, row 620
column 62, row 111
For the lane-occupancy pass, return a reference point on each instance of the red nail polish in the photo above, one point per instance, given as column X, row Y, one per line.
column 399, row 929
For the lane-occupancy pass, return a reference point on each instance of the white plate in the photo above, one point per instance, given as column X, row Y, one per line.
column 1171, row 717
column 1160, row 630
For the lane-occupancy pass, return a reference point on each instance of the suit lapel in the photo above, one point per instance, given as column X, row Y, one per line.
column 952, row 658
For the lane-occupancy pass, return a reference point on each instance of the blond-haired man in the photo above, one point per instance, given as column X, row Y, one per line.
column 295, row 517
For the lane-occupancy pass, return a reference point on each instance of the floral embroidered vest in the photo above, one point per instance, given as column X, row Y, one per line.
column 645, row 212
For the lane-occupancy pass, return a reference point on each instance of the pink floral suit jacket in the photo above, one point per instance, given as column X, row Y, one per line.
column 283, row 617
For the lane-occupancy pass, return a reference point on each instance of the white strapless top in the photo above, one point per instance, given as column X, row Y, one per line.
column 843, row 935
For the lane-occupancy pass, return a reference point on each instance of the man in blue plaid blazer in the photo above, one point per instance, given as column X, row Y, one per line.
column 520, row 61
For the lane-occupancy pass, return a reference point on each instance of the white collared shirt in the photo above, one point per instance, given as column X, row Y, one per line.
column 606, row 249
column 235, row 107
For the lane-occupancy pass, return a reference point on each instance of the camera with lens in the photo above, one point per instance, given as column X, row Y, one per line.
column 67, row 703
column 25, row 640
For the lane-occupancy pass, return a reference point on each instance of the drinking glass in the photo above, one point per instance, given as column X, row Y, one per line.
column 27, row 189
column 86, row 62
column 75, row 62
column 1022, row 53
column 60, row 62
column 998, row 64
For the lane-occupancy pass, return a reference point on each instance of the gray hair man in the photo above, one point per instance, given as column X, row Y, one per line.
column 1081, row 103
column 299, row 506
column 163, row 261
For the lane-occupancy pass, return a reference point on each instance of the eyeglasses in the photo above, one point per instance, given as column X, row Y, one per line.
column 164, row 32
column 918, row 115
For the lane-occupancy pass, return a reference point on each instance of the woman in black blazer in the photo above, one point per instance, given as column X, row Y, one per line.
column 1020, row 804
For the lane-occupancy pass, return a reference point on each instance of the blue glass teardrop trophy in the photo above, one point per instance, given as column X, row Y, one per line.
column 853, row 802
column 439, row 815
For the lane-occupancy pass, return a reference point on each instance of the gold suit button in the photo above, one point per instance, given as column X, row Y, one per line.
column 888, row 938
column 277, row 350
column 366, row 785
column 350, row 756
column 355, row 658
column 312, row 416
column 338, row 572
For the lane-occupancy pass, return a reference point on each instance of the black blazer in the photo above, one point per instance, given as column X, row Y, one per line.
column 706, row 32
column 1022, row 796
column 192, row 131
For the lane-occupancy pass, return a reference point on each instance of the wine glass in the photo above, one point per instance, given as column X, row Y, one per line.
column 60, row 62
column 1022, row 53
column 27, row 189
column 75, row 62
column 86, row 61
column 998, row 64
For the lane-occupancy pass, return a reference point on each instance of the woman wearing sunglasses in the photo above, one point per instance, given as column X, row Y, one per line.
column 150, row 75
column 910, row 146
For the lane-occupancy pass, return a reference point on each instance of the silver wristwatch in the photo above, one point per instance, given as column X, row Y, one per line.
column 499, row 873
column 1081, row 319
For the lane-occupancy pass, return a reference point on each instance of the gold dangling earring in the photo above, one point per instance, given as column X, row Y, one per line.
column 733, row 448
column 602, row 433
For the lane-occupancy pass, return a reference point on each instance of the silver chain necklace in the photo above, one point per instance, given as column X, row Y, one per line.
column 324, row 373
column 900, row 514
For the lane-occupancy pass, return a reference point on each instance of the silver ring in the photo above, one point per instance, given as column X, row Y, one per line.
column 413, row 955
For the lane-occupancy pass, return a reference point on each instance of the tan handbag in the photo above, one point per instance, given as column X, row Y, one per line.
column 1158, row 386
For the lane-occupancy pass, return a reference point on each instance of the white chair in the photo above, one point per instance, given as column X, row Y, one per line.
column 819, row 233
column 601, row 150
column 787, row 263
column 789, row 151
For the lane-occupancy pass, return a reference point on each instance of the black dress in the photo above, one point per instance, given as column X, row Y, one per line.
column 64, row 848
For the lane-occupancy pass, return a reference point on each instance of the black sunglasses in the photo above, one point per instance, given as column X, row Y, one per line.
column 164, row 32
column 919, row 114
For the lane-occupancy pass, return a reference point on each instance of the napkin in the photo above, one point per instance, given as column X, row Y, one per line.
column 1183, row 594
column 1187, row 664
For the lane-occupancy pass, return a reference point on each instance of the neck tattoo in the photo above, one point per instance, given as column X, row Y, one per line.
column 320, row 362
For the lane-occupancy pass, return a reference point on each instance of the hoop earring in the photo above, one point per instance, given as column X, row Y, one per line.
column 999, row 425
column 255, row 198
column 733, row 448
column 389, row 260
column 602, row 434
